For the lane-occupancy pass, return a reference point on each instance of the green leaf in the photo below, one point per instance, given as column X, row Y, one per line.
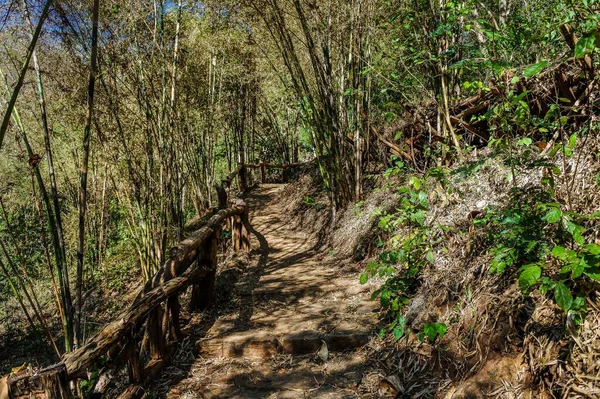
column 398, row 333
column 434, row 330
column 593, row 249
column 441, row 329
column 546, row 285
column 364, row 278
column 563, row 296
column 578, row 268
column 593, row 276
column 429, row 256
column 576, row 231
column 400, row 330
column 415, row 182
column 534, row 69
column 585, row 45
column 529, row 276
column 573, row 140
column 524, row 142
column 559, row 252
column 553, row 216
column 554, row 151
column 418, row 217
column 578, row 303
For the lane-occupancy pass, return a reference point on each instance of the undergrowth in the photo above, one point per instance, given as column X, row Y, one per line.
column 534, row 236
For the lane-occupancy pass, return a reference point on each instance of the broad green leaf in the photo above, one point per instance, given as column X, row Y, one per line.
column 376, row 293
column 364, row 278
column 559, row 252
column 578, row 303
column 576, row 231
column 593, row 276
column 418, row 217
column 585, row 45
column 430, row 332
column 578, row 268
column 415, row 182
column 526, row 141
column 563, row 296
column 553, row 216
column 429, row 256
column 441, row 329
column 568, row 268
column 573, row 140
column 534, row 69
column 556, row 170
column 433, row 330
column 554, row 151
column 385, row 298
column 529, row 276
column 398, row 332
column 593, row 249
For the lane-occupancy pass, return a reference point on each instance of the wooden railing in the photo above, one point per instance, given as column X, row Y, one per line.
column 286, row 169
column 144, row 336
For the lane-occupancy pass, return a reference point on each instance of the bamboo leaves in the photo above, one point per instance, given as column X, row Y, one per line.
column 23, row 71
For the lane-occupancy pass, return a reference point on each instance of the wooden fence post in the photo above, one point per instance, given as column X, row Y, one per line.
column 263, row 176
column 245, row 233
column 242, row 178
column 50, row 383
column 134, row 366
column 156, row 339
column 222, row 194
column 240, row 236
column 284, row 174
column 202, row 293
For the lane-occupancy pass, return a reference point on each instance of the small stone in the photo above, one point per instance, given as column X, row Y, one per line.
column 323, row 352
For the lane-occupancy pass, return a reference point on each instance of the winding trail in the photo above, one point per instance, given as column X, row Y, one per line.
column 290, row 303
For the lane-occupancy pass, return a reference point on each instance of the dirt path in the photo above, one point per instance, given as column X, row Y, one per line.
column 289, row 304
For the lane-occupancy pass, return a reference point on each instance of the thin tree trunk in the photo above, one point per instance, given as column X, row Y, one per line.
column 84, row 173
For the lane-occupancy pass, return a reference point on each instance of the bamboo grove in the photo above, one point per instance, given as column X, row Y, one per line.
column 119, row 117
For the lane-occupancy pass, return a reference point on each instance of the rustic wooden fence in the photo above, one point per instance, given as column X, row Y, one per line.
column 144, row 337
column 286, row 169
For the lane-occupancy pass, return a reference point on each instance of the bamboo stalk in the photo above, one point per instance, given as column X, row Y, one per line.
column 84, row 175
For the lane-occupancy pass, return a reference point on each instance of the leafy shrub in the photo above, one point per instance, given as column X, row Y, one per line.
column 405, row 254
column 545, row 246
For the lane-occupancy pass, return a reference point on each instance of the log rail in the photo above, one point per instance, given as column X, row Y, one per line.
column 145, row 335
column 285, row 169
